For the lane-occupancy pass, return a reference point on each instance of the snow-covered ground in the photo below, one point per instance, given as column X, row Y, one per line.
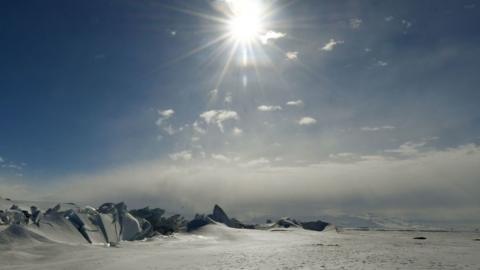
column 219, row 247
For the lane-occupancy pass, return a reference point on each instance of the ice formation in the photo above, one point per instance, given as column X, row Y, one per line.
column 111, row 223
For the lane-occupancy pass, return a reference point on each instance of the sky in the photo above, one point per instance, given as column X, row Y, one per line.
column 266, row 107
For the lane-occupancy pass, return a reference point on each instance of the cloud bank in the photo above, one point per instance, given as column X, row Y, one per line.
column 440, row 184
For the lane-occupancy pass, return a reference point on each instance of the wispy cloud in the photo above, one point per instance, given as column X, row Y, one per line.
column 355, row 23
column 389, row 18
column 291, row 55
column 170, row 130
column 164, row 124
column 411, row 148
column 342, row 155
column 377, row 128
column 408, row 148
column 13, row 166
column 382, row 63
column 331, row 44
column 220, row 157
column 237, row 131
column 256, row 162
column 269, row 108
column 197, row 128
column 271, row 35
column 297, row 102
column 213, row 93
column 218, row 117
column 306, row 121
column 407, row 24
column 164, row 115
column 228, row 98
column 183, row 155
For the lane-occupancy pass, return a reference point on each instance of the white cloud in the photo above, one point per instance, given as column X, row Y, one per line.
column 330, row 45
column 271, row 35
column 379, row 128
column 292, row 55
column 408, row 148
column 269, row 108
column 213, row 93
column 389, row 18
column 355, row 23
column 218, row 117
column 344, row 155
column 221, row 157
column 439, row 184
column 170, row 130
column 306, row 121
column 163, row 123
column 256, row 162
column 374, row 158
column 12, row 165
column 183, row 155
column 197, row 128
column 407, row 24
column 382, row 63
column 411, row 148
column 214, row 116
column 228, row 98
column 237, row 131
column 164, row 115
column 297, row 102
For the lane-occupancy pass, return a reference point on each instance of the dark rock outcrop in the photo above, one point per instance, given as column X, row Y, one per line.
column 218, row 215
column 315, row 225
column 197, row 222
column 287, row 222
column 159, row 223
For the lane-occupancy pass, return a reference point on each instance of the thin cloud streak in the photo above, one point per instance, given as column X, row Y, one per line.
column 331, row 44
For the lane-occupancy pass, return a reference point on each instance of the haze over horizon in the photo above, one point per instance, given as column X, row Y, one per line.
column 269, row 108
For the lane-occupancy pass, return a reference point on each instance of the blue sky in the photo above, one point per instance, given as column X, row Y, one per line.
column 111, row 93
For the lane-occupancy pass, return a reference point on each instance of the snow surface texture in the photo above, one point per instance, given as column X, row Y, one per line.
column 216, row 246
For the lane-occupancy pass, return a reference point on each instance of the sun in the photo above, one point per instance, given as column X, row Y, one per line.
column 245, row 23
column 242, row 31
column 244, row 28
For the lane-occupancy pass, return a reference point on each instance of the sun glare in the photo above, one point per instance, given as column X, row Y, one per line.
column 245, row 24
column 246, row 28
